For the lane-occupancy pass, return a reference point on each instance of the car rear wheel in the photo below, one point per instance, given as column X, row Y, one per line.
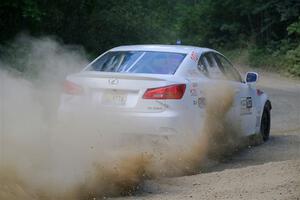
column 265, row 123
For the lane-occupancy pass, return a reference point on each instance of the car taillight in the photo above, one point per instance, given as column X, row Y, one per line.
column 167, row 92
column 72, row 88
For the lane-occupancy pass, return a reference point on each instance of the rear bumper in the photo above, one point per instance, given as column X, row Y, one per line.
column 138, row 123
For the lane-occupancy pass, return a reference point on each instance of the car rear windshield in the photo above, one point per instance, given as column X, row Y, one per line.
column 149, row 62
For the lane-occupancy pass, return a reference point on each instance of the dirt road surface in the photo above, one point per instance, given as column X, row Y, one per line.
column 267, row 171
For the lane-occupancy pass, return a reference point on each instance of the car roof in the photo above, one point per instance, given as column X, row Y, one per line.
column 162, row 48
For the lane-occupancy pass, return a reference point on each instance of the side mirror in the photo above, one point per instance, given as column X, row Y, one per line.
column 251, row 77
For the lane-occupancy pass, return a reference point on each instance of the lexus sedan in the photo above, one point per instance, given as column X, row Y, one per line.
column 158, row 90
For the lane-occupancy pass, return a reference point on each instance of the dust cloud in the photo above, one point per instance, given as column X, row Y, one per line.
column 41, row 158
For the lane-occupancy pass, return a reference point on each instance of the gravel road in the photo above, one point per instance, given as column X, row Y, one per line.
column 267, row 171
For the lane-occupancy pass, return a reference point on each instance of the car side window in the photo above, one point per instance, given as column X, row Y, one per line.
column 212, row 66
column 203, row 65
column 227, row 68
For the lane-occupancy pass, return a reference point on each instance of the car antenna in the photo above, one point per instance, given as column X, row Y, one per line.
column 178, row 42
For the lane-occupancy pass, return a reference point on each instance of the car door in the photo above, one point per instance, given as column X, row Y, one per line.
column 209, row 66
column 245, row 96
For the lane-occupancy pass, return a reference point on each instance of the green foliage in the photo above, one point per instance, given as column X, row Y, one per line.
column 99, row 25
column 294, row 28
column 18, row 15
column 270, row 29
column 31, row 10
column 257, row 57
column 231, row 24
column 293, row 61
column 260, row 57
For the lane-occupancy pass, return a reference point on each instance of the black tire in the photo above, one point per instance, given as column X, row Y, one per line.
column 265, row 123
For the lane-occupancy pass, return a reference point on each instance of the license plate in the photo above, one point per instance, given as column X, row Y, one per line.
column 114, row 98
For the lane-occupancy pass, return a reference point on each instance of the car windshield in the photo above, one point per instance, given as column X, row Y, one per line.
column 149, row 62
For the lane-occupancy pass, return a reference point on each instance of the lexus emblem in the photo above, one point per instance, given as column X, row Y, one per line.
column 113, row 81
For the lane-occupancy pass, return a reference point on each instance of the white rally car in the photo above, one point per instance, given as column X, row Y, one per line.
column 156, row 90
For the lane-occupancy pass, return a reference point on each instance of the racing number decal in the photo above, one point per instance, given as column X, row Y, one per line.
column 201, row 102
column 193, row 90
column 246, row 105
column 249, row 102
